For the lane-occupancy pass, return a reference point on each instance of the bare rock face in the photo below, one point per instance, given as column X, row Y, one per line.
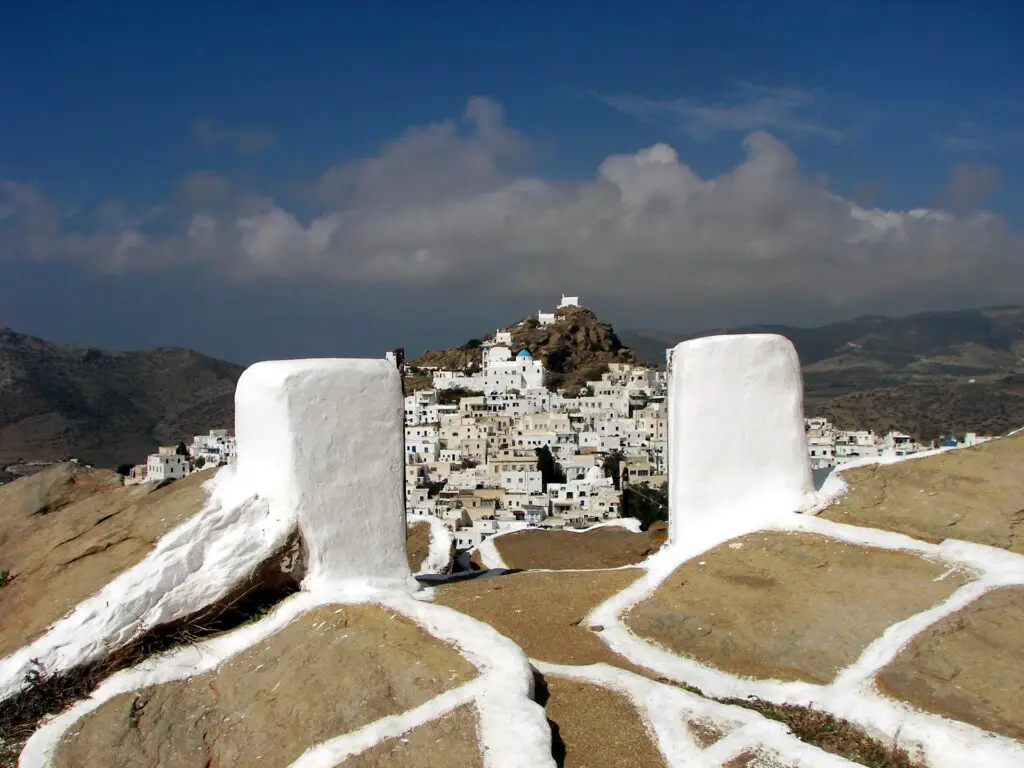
column 975, row 494
column 66, row 532
column 332, row 670
column 788, row 606
column 967, row 666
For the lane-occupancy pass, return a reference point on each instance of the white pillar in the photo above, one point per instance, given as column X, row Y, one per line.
column 737, row 445
column 324, row 440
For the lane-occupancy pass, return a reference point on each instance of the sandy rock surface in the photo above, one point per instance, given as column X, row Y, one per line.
column 969, row 665
column 332, row 670
column 975, row 494
column 66, row 532
column 609, row 547
column 595, row 727
column 788, row 606
column 544, row 613
column 450, row 740
column 418, row 543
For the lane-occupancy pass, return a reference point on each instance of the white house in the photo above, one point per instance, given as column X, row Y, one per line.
column 569, row 301
column 522, row 481
column 503, row 372
column 166, row 466
column 546, row 318
column 214, row 449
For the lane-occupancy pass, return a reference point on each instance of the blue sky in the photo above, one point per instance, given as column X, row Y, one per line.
column 281, row 132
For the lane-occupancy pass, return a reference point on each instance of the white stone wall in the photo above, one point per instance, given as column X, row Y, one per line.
column 737, row 444
column 324, row 439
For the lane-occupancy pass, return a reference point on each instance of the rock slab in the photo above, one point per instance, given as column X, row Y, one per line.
column 332, row 670
column 788, row 606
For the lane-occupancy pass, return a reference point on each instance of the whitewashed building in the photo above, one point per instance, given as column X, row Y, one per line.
column 166, row 466
column 214, row 449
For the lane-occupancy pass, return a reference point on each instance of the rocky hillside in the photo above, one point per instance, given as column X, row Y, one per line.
column 929, row 374
column 105, row 408
column 575, row 348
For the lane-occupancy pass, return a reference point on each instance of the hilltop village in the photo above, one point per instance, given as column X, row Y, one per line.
column 493, row 446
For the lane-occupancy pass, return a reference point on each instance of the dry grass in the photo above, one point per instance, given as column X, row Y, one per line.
column 831, row 733
column 821, row 729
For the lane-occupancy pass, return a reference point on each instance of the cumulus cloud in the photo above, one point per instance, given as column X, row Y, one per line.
column 748, row 107
column 443, row 208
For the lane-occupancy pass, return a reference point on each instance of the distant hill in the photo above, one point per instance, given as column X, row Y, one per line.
column 913, row 372
column 105, row 408
column 576, row 348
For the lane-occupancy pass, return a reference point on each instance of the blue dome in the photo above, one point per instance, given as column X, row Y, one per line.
column 524, row 353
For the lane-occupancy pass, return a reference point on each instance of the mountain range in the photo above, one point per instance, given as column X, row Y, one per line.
column 930, row 374
column 105, row 408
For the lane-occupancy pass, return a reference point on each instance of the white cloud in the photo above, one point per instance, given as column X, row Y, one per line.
column 747, row 108
column 439, row 208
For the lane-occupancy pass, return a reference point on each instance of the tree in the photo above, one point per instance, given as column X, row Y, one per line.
column 646, row 504
column 612, row 467
column 454, row 395
column 125, row 469
column 200, row 462
column 434, row 488
column 182, row 449
column 550, row 470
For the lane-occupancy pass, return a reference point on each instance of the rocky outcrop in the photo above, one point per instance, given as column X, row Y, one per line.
column 68, row 531
column 576, row 348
